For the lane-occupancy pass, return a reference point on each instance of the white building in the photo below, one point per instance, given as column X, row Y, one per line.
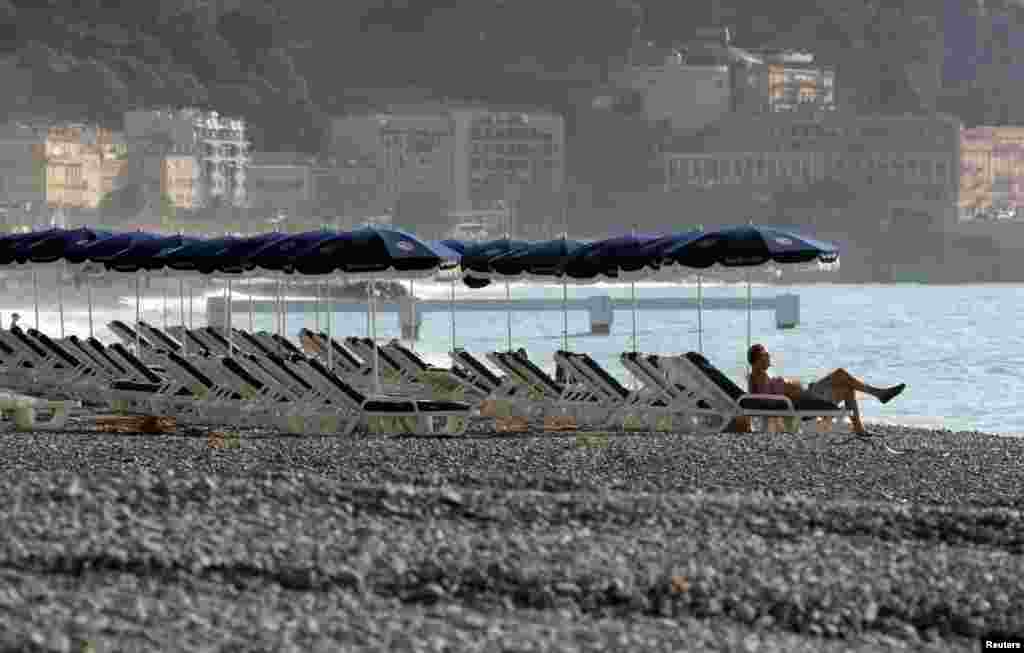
column 216, row 144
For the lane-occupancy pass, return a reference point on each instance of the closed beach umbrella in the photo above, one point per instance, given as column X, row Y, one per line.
column 621, row 257
column 15, row 248
column 103, row 249
column 51, row 247
column 377, row 252
column 475, row 261
column 747, row 246
column 543, row 261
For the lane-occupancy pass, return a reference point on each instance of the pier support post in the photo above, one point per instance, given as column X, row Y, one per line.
column 787, row 311
column 409, row 317
column 602, row 315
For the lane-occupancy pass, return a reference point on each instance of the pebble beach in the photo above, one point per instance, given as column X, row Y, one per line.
column 729, row 542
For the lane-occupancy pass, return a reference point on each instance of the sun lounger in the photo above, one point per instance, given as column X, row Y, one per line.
column 643, row 405
column 424, row 411
column 159, row 338
column 546, row 394
column 128, row 336
column 416, row 368
column 729, row 401
column 650, row 370
column 75, row 370
column 290, row 413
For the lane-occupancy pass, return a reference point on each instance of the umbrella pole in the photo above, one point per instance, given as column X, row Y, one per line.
column 60, row 299
column 138, row 315
column 508, row 314
column 749, row 301
column 181, row 313
column 330, row 334
column 632, row 286
column 227, row 319
column 35, row 292
column 415, row 329
column 190, row 322
column 165, row 302
column 280, row 301
column 316, row 304
column 700, row 315
column 565, row 317
column 252, row 319
column 373, row 337
column 452, row 311
column 88, row 290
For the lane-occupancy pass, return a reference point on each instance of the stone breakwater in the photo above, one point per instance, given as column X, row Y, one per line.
column 762, row 542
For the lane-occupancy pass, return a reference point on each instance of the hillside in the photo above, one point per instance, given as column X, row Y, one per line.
column 283, row 66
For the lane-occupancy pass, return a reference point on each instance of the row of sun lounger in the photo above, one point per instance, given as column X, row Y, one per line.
column 262, row 378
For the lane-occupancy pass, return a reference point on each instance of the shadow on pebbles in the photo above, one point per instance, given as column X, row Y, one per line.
column 648, row 543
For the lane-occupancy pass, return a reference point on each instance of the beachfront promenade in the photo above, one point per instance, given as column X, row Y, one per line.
column 601, row 308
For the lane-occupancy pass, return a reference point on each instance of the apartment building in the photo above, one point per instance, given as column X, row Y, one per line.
column 346, row 193
column 22, row 172
column 991, row 168
column 210, row 152
column 436, row 161
column 280, row 181
column 899, row 168
column 70, row 166
column 693, row 84
column 784, row 80
column 683, row 90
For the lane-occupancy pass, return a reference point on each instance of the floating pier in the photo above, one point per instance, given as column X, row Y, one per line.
column 601, row 308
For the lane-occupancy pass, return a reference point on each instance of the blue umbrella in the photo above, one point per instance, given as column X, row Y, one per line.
column 545, row 259
column 747, row 246
column 102, row 250
column 384, row 250
column 11, row 245
column 280, row 254
column 148, row 253
column 477, row 256
column 750, row 245
column 51, row 248
column 612, row 257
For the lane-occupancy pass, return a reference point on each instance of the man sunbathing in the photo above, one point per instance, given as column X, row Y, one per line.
column 838, row 386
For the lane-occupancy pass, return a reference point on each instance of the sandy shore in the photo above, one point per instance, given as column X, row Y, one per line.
column 757, row 542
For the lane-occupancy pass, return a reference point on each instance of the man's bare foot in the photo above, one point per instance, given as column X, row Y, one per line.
column 891, row 393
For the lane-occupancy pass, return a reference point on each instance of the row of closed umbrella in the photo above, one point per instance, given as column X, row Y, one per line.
column 370, row 251
column 384, row 252
column 636, row 257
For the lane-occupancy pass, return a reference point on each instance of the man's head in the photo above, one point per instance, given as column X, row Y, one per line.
column 758, row 357
column 14, row 318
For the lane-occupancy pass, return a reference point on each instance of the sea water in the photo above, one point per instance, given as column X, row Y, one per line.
column 959, row 349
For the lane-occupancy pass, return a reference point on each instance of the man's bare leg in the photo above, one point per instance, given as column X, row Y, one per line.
column 844, row 379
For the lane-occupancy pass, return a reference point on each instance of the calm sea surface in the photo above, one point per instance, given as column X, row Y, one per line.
column 959, row 349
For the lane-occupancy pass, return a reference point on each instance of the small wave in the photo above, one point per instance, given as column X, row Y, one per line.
column 1001, row 370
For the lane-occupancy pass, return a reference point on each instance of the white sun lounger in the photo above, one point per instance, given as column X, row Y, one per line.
column 548, row 394
column 729, row 401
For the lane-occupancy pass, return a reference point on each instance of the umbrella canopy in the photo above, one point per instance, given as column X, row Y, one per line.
column 750, row 245
column 546, row 259
column 147, row 253
column 51, row 248
column 280, row 254
column 102, row 250
column 384, row 251
column 10, row 246
column 477, row 256
column 629, row 255
column 227, row 254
